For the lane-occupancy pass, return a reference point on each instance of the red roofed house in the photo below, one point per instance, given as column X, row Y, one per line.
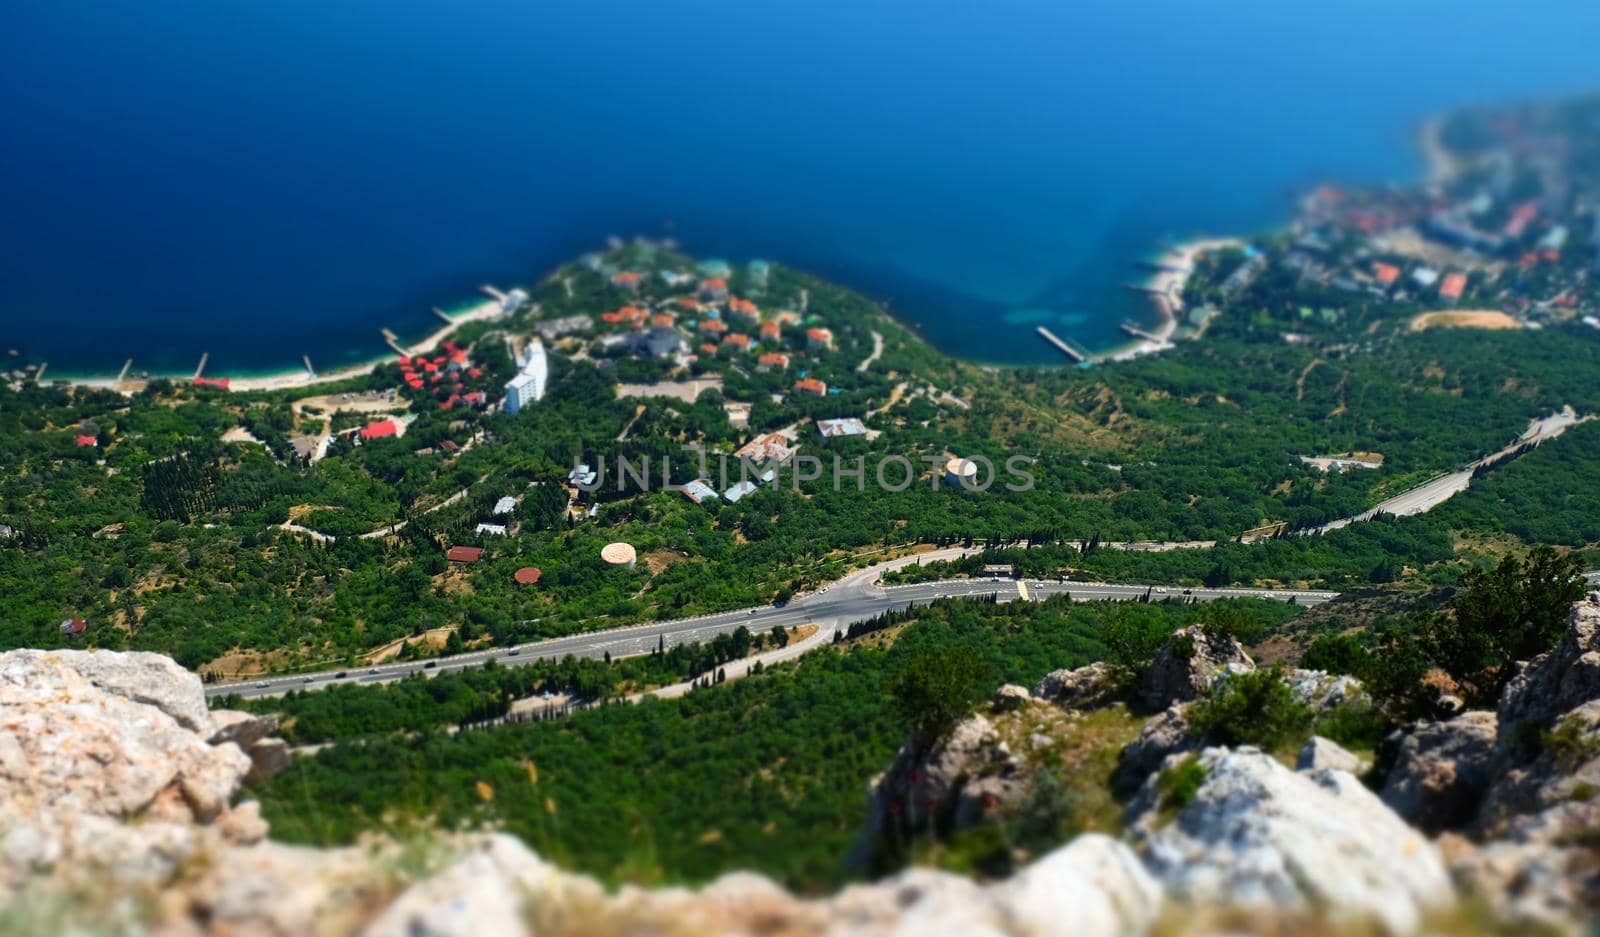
column 627, row 280
column 1386, row 274
column 72, row 627
column 708, row 349
column 771, row 330
column 817, row 339
column 87, row 440
column 811, row 385
column 379, row 429
column 714, row 326
column 772, row 359
column 738, row 340
column 1521, row 217
column 1453, row 286
column 464, row 554
column 526, row 576
column 745, row 311
column 714, row 289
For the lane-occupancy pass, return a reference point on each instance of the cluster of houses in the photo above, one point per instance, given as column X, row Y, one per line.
column 449, row 376
column 1496, row 230
column 708, row 321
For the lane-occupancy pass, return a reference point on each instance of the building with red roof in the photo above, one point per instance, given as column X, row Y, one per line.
column 771, row 330
column 1386, row 274
column 380, row 429
column 627, row 280
column 221, row 383
column 1453, row 286
column 714, row 326
column 811, row 385
column 527, row 576
column 818, row 338
column 738, row 340
column 464, row 554
column 714, row 289
column 771, row 360
column 84, row 439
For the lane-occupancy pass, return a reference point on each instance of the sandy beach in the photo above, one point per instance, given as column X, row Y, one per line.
column 1166, row 291
column 299, row 377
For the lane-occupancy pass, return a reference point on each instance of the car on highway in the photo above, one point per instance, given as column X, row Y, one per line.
column 372, row 670
column 513, row 652
column 341, row 675
column 823, row 589
column 307, row 679
column 430, row 665
column 263, row 685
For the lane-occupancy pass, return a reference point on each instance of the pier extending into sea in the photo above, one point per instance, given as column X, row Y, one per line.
column 1062, row 345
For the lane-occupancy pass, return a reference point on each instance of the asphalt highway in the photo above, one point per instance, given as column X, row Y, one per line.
column 857, row 597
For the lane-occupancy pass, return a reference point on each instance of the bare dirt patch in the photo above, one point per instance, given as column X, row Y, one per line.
column 1465, row 319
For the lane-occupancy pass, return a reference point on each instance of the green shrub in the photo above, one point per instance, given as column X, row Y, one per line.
column 1255, row 708
column 1355, row 726
column 1571, row 743
column 1337, row 653
column 1180, row 783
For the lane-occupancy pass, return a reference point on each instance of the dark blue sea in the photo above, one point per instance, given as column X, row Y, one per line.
column 262, row 180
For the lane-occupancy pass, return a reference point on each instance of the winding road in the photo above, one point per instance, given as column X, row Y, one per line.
column 859, row 596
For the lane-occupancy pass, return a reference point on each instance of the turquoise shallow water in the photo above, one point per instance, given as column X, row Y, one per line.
column 262, row 181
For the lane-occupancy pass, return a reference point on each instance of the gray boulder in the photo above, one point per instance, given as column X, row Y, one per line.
column 965, row 776
column 1084, row 688
column 1320, row 754
column 1323, row 691
column 1010, row 697
column 1188, row 664
column 241, row 728
column 1259, row 836
column 1442, row 771
column 268, row 758
column 1161, row 737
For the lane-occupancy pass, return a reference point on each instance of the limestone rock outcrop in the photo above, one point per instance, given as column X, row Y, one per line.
column 84, row 747
column 1319, row 754
column 1257, row 835
column 1559, row 680
column 1081, row 688
column 1441, row 771
column 1188, row 664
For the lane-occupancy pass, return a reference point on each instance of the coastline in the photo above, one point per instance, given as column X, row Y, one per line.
column 1442, row 165
column 297, row 377
column 1174, row 268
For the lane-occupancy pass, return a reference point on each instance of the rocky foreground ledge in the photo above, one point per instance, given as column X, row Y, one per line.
column 119, row 812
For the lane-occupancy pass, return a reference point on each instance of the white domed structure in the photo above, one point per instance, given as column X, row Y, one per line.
column 619, row 554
